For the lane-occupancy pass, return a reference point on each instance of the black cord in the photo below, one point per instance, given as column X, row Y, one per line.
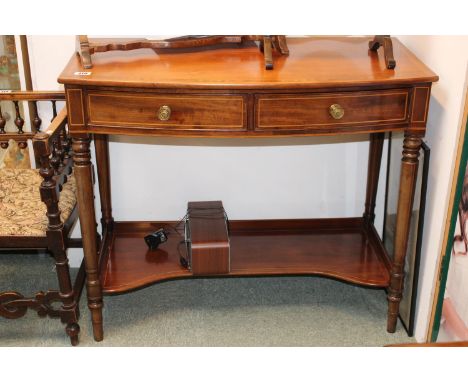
column 175, row 227
column 182, row 259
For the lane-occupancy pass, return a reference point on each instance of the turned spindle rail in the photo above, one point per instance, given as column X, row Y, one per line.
column 32, row 98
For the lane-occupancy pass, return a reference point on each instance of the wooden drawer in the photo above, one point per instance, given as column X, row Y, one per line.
column 298, row 112
column 191, row 112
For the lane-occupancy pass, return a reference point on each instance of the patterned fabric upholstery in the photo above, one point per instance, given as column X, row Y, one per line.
column 22, row 213
column 14, row 157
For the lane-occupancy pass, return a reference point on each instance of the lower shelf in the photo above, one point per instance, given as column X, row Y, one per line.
column 341, row 248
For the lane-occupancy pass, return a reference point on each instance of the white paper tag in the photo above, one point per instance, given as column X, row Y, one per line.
column 6, row 91
column 82, row 73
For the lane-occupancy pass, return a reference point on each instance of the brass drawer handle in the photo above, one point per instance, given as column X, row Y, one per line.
column 336, row 111
column 164, row 113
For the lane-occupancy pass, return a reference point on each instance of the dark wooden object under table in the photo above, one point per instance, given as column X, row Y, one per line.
column 325, row 86
column 38, row 206
column 207, row 239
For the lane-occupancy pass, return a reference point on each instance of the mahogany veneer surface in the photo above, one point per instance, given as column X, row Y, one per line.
column 338, row 248
column 205, row 112
column 361, row 108
column 313, row 62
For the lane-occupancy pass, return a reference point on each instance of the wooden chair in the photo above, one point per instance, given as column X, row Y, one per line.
column 38, row 208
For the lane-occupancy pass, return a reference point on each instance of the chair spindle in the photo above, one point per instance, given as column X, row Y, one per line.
column 3, row 145
column 19, row 121
column 54, row 109
column 55, row 159
column 37, row 121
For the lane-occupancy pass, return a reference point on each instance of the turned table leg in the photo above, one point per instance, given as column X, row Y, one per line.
column 101, row 145
column 85, row 195
column 373, row 170
column 409, row 172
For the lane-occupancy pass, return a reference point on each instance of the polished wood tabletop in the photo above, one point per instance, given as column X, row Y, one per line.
column 313, row 62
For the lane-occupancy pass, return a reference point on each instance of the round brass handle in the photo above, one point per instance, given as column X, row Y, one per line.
column 164, row 113
column 336, row 111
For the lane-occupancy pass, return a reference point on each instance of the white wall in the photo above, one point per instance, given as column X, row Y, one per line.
column 275, row 178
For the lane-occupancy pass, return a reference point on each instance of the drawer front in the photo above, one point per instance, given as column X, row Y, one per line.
column 167, row 111
column 296, row 112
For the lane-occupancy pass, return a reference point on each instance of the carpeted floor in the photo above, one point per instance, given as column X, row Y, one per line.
column 277, row 311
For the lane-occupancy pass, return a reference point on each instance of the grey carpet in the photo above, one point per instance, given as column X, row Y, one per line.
column 277, row 311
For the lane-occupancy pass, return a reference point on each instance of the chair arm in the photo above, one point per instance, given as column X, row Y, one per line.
column 52, row 149
column 41, row 140
column 32, row 95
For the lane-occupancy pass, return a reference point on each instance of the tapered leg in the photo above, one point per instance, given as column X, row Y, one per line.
column 373, row 171
column 84, row 184
column 101, row 145
column 409, row 172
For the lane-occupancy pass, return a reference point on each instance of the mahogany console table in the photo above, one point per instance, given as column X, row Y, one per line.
column 325, row 86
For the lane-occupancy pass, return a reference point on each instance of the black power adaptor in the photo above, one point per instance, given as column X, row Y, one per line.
column 154, row 239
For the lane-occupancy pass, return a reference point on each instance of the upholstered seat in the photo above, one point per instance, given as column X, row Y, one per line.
column 22, row 213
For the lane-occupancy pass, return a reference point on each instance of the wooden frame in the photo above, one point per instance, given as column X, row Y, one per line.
column 86, row 47
column 451, row 219
column 268, row 44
